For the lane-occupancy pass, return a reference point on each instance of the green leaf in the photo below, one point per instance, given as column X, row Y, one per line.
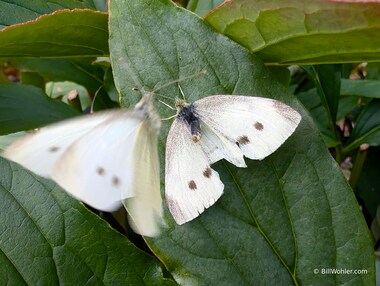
column 66, row 244
column 368, row 188
column 109, row 85
column 347, row 104
column 282, row 74
column 103, row 101
column 62, row 91
column 202, row 7
column 61, row 34
column 280, row 218
column 79, row 71
column 32, row 78
column 373, row 71
column 367, row 128
column 19, row 11
column 24, row 107
column 327, row 81
column 100, row 5
column 312, row 102
column 302, row 31
column 366, row 88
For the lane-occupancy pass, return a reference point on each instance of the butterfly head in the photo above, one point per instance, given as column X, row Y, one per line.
column 146, row 108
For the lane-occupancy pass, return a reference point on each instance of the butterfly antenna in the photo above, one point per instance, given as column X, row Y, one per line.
column 168, row 118
column 152, row 92
column 202, row 72
column 167, row 105
column 181, row 91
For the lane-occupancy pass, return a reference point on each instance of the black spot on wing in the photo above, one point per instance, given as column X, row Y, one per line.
column 101, row 171
column 116, row 181
column 207, row 172
column 242, row 140
column 53, row 149
column 192, row 185
column 259, row 126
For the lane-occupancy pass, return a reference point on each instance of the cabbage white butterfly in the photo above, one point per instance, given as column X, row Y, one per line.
column 102, row 159
column 214, row 128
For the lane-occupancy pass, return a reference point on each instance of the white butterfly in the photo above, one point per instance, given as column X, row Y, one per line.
column 102, row 159
column 214, row 128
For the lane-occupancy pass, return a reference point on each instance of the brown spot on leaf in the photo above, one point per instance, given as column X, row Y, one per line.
column 242, row 140
column 259, row 126
column 192, row 185
column 207, row 173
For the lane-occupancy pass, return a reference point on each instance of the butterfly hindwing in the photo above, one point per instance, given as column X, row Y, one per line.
column 191, row 184
column 145, row 206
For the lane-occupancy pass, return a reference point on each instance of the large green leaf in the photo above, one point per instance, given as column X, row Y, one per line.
column 302, row 31
column 24, row 107
column 280, row 218
column 61, row 34
column 48, row 238
column 80, row 71
column 19, row 11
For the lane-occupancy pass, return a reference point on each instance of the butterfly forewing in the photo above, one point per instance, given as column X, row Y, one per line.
column 98, row 168
column 259, row 126
column 40, row 151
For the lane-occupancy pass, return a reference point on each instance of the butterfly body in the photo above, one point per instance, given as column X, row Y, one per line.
column 186, row 112
column 214, row 128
